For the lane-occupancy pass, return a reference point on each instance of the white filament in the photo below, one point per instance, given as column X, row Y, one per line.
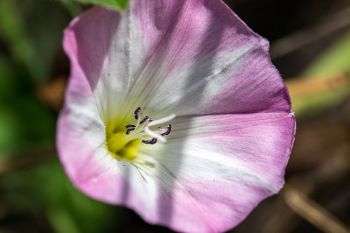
column 162, row 120
column 154, row 135
column 142, row 130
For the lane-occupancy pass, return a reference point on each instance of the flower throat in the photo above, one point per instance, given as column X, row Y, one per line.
column 124, row 140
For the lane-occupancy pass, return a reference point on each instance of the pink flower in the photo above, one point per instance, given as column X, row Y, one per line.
column 174, row 110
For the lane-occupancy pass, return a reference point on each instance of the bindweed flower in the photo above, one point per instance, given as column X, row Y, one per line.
column 174, row 110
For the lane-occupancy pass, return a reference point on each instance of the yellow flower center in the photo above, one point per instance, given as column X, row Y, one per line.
column 123, row 140
column 119, row 144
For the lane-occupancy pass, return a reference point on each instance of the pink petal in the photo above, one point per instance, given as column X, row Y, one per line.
column 220, row 167
column 80, row 128
column 195, row 185
column 105, row 46
column 172, row 60
column 202, row 47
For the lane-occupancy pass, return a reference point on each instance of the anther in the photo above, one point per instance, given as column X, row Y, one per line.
column 167, row 130
column 151, row 141
column 129, row 128
column 137, row 113
column 146, row 118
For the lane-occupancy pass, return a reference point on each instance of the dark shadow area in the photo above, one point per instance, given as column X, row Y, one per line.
column 274, row 19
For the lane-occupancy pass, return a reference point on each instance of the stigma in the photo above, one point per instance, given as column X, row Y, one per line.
column 144, row 128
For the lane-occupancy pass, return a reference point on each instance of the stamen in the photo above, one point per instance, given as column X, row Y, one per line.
column 154, row 135
column 167, row 130
column 129, row 128
column 151, row 141
column 162, row 120
column 147, row 118
column 137, row 113
column 142, row 128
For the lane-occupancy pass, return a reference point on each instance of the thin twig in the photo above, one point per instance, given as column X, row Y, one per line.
column 332, row 170
column 303, row 38
column 312, row 212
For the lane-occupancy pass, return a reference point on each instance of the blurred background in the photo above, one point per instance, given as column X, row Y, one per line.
column 310, row 45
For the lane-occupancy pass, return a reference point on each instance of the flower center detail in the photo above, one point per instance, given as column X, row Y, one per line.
column 142, row 128
column 124, row 142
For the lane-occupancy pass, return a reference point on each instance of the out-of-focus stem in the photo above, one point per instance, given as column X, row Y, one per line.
column 308, row 36
column 316, row 93
column 312, row 212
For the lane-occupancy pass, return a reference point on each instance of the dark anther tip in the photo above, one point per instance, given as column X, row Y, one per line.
column 129, row 128
column 151, row 141
column 137, row 112
column 128, row 131
column 168, row 130
column 145, row 119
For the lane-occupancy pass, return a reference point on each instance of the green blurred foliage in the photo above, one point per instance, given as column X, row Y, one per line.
column 70, row 209
column 48, row 192
column 33, row 33
column 333, row 61
column 114, row 4
column 24, row 121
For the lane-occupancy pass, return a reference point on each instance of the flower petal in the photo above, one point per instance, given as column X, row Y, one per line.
column 105, row 46
column 204, row 60
column 218, row 168
column 248, row 85
column 166, row 54
column 81, row 135
column 205, row 186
